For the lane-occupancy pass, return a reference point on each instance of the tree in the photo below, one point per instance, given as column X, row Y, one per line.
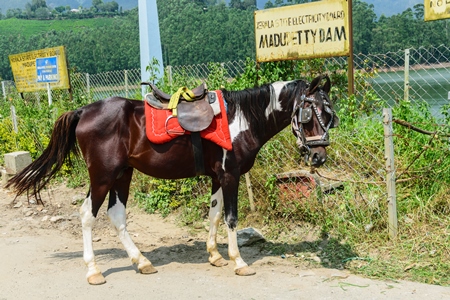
column 42, row 13
column 236, row 4
column 268, row 4
column 36, row 4
column 364, row 19
column 96, row 5
column 60, row 9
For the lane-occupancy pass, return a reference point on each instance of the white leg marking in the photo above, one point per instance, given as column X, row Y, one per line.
column 224, row 158
column 87, row 222
column 215, row 213
column 233, row 250
column 117, row 215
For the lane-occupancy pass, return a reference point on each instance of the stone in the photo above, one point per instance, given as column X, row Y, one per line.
column 249, row 236
column 56, row 219
column 16, row 161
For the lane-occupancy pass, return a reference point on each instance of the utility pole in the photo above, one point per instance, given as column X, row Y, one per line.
column 150, row 40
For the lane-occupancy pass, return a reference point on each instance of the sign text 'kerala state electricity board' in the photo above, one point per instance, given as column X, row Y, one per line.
column 316, row 29
column 34, row 70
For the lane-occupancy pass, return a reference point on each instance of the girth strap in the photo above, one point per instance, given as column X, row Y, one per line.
column 198, row 153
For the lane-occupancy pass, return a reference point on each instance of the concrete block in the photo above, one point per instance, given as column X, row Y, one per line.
column 17, row 161
column 5, row 177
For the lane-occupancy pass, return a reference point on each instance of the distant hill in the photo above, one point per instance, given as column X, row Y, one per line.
column 8, row 4
column 385, row 7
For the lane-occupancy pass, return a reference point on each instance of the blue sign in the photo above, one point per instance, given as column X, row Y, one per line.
column 47, row 69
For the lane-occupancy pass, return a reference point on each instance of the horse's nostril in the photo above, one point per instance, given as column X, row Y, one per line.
column 317, row 160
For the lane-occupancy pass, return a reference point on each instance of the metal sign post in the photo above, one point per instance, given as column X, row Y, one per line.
column 47, row 71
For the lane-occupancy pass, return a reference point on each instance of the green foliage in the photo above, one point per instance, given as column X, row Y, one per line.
column 362, row 104
column 194, row 32
column 153, row 69
column 29, row 28
column 35, row 121
column 165, row 196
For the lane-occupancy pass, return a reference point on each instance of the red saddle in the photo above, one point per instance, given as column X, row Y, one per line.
column 162, row 127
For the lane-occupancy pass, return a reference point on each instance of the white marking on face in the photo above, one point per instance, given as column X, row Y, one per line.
column 275, row 104
column 238, row 125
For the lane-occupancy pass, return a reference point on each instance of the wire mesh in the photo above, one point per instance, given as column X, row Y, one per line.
column 353, row 159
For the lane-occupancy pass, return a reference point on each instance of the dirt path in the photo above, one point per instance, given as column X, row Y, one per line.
column 41, row 258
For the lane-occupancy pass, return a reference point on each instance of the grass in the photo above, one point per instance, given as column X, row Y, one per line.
column 28, row 28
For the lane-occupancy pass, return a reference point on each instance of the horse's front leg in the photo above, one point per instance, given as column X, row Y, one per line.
column 230, row 185
column 215, row 213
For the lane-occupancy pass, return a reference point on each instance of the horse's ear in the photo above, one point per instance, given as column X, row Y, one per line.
column 327, row 86
column 314, row 85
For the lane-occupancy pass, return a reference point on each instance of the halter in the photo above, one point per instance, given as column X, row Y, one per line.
column 301, row 115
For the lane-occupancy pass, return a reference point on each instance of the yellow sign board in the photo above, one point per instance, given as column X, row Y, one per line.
column 316, row 29
column 25, row 73
column 436, row 9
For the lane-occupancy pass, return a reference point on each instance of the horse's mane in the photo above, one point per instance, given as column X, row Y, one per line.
column 252, row 103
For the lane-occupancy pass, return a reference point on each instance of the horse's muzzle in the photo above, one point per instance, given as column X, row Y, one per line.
column 315, row 157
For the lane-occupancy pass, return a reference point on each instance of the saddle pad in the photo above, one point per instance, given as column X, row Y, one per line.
column 155, row 128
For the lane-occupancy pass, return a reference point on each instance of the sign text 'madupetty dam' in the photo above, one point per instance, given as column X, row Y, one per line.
column 317, row 29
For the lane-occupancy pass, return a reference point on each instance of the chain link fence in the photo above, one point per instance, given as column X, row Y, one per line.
column 354, row 160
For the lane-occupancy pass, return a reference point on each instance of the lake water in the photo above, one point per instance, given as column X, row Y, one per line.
column 430, row 85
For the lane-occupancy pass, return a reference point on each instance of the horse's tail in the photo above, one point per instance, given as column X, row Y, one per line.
column 63, row 141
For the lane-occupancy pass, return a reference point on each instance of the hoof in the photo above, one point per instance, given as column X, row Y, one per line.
column 220, row 262
column 148, row 269
column 245, row 271
column 96, row 279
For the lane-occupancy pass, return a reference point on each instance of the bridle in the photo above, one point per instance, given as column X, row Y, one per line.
column 303, row 115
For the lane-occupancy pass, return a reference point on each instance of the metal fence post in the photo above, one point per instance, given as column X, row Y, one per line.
column 126, row 84
column 88, row 85
column 169, row 74
column 250, row 192
column 4, row 90
column 406, row 88
column 14, row 118
column 390, row 172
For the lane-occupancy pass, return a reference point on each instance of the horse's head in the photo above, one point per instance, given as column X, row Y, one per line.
column 312, row 117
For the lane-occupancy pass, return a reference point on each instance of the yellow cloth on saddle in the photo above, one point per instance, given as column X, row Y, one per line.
column 187, row 94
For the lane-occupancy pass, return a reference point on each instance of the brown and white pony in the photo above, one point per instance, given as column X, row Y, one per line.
column 111, row 136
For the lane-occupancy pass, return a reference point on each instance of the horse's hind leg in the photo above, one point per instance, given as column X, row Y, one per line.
column 88, row 213
column 215, row 213
column 118, row 196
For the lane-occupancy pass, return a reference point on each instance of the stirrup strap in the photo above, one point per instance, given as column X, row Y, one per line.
column 187, row 94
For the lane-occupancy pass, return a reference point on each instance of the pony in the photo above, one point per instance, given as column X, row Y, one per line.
column 111, row 136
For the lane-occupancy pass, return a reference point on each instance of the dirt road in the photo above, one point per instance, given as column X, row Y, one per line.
column 41, row 258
